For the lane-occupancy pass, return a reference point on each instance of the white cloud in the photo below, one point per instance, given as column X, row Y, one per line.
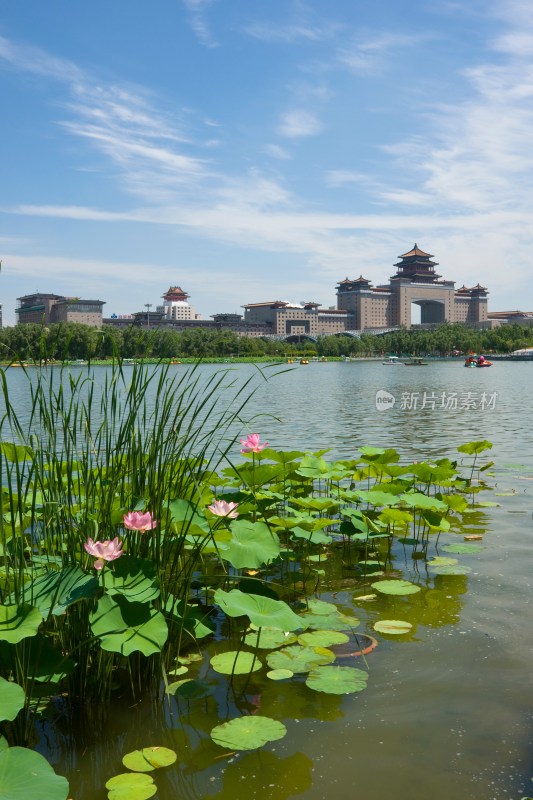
column 197, row 15
column 299, row 123
column 276, row 151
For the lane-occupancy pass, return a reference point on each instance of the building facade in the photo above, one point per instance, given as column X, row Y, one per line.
column 361, row 306
column 47, row 309
column 415, row 282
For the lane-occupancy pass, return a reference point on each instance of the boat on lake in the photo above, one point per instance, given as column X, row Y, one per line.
column 392, row 361
column 477, row 361
column 416, row 362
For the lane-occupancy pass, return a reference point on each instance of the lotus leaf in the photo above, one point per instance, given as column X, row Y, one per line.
column 269, row 638
column 321, row 606
column 11, row 699
column 396, row 587
column 130, row 786
column 191, row 689
column 126, row 628
column 149, row 758
column 234, row 662
column 419, row 500
column 262, row 611
column 452, row 569
column 25, row 774
column 462, row 548
column 55, row 591
column 472, row 448
column 248, row 733
column 300, row 659
column 18, row 623
column 313, row 537
column 322, row 638
column 331, row 622
column 279, row 674
column 337, row 680
column 312, row 467
column 377, row 498
column 251, row 545
column 395, row 627
column 133, row 578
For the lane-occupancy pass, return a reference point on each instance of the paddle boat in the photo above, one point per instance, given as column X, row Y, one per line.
column 416, row 362
column 477, row 361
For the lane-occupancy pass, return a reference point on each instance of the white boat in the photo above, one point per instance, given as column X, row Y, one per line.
column 392, row 361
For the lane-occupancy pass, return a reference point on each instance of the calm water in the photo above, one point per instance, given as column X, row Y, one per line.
column 448, row 712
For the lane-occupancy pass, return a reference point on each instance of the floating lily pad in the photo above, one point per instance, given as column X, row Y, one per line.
column 455, row 569
column 269, row 638
column 248, row 733
column 462, row 548
column 300, row 659
column 394, row 627
column 321, row 606
column 191, row 689
column 25, row 774
column 279, row 674
column 442, row 561
column 233, row 662
column 130, row 786
column 396, row 587
column 337, row 680
column 149, row 758
column 322, row 638
column 332, row 622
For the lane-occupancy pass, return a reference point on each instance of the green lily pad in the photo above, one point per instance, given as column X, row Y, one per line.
column 269, row 638
column 394, row 627
column 18, row 623
column 191, row 689
column 248, row 733
column 442, row 561
column 462, row 548
column 452, row 569
column 322, row 638
column 233, row 662
column 26, row 774
column 149, row 758
column 321, row 607
column 332, row 622
column 11, row 700
column 396, row 587
column 279, row 674
column 262, row 611
column 337, row 680
column 300, row 659
column 126, row 628
column 130, row 786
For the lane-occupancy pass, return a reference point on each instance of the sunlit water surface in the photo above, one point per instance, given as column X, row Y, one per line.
column 448, row 709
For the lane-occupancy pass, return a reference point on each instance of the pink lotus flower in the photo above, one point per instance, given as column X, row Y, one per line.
column 136, row 521
column 104, row 551
column 252, row 444
column 221, row 508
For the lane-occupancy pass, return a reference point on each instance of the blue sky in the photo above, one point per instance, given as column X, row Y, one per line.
column 249, row 150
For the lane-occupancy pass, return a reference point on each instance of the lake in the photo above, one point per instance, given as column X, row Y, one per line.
column 448, row 711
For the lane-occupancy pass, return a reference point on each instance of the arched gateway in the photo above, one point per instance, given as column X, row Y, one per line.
column 415, row 281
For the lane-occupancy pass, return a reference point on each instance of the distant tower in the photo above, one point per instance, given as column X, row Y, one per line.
column 175, row 306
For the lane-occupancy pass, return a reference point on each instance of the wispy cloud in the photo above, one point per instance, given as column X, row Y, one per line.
column 276, row 151
column 299, row 123
column 197, row 11
column 372, row 53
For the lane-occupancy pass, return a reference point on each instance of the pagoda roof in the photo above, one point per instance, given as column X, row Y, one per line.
column 416, row 251
column 479, row 288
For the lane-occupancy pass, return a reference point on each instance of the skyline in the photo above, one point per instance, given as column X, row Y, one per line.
column 250, row 153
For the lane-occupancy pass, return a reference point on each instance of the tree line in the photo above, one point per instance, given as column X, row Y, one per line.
column 74, row 341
